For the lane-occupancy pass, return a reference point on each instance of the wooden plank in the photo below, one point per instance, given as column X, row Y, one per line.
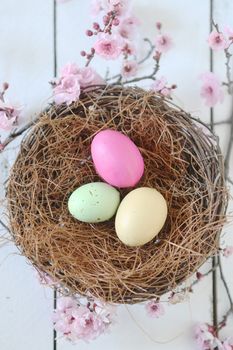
column 26, row 62
column 188, row 24
column 223, row 11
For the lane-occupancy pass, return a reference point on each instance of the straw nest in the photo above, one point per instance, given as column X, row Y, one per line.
column 182, row 161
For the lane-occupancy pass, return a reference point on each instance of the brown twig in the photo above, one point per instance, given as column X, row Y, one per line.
column 198, row 280
column 224, row 319
column 5, row 226
column 90, row 57
column 214, row 268
column 224, row 282
column 107, row 29
column 149, row 53
column 229, row 82
column 229, row 147
column 143, row 60
column 228, row 56
column 230, row 311
column 146, row 77
column 17, row 133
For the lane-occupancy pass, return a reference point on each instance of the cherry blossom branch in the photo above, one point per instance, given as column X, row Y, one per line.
column 214, row 268
column 199, row 278
column 90, row 57
column 228, row 56
column 4, row 226
column 225, row 283
column 149, row 53
column 109, row 20
column 229, row 147
column 143, row 60
column 17, row 133
column 229, row 82
column 4, row 89
column 223, row 322
column 146, row 77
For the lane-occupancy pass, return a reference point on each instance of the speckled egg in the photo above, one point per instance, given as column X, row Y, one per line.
column 94, row 202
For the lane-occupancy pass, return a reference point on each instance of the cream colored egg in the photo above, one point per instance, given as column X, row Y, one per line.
column 140, row 216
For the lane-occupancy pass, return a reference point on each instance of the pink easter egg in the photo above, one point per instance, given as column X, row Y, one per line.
column 117, row 159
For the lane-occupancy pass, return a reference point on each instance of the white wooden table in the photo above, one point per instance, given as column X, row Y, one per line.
column 26, row 62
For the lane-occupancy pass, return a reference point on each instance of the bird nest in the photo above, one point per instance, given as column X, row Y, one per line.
column 182, row 161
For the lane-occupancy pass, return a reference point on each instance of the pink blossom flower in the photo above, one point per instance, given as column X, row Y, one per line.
column 45, row 279
column 228, row 344
column 9, row 115
column 163, row 43
column 166, row 92
column 129, row 69
column 81, row 321
column 129, row 48
column 62, row 316
column 228, row 31
column 5, row 122
column 128, row 27
column 67, row 90
column 159, row 85
column 66, row 303
column 211, row 89
column 228, row 251
column 155, row 309
column 88, row 77
column 158, row 25
column 108, row 46
column 205, row 338
column 96, row 7
column 69, row 69
column 120, row 7
column 86, row 325
column 68, row 87
column 217, row 41
column 176, row 298
column 199, row 275
column 104, row 310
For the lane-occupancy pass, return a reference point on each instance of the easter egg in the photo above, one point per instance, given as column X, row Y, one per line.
column 117, row 159
column 140, row 216
column 94, row 202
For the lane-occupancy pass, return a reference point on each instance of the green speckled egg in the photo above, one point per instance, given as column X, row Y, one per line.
column 94, row 202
